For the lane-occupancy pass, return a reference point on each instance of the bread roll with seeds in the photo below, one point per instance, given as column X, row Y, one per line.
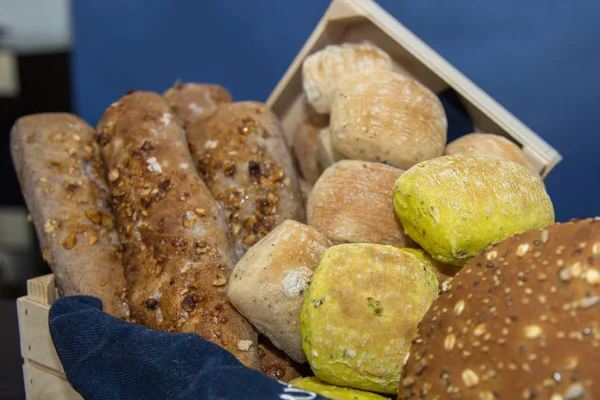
column 519, row 321
column 192, row 101
column 488, row 144
column 386, row 117
column 323, row 70
column 456, row 206
column 242, row 156
column 352, row 202
column 333, row 392
column 276, row 364
column 268, row 284
column 177, row 253
column 63, row 182
column 306, row 142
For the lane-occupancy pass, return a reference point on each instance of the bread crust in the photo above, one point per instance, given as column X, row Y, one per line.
column 64, row 185
column 177, row 252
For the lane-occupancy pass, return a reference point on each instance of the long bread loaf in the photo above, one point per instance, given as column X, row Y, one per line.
column 62, row 179
column 177, row 252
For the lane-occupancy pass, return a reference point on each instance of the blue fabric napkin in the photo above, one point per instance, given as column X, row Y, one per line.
column 107, row 358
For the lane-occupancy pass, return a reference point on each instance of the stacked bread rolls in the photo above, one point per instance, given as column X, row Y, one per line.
column 322, row 254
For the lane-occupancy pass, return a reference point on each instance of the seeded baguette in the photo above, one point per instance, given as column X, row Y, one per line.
column 63, row 182
column 242, row 156
column 177, row 253
column 192, row 101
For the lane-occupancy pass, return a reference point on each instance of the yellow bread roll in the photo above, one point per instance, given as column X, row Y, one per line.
column 386, row 117
column 361, row 313
column 488, row 144
column 322, row 70
column 331, row 391
column 352, row 202
column 456, row 206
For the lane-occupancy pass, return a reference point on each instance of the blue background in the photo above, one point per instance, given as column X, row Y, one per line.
column 538, row 58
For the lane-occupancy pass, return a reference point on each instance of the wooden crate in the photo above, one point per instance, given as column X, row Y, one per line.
column 42, row 371
column 363, row 21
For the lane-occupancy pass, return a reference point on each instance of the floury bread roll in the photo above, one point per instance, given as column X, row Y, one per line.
column 242, row 156
column 192, row 101
column 269, row 283
column 386, row 117
column 361, row 313
column 456, row 206
column 64, row 185
column 306, row 142
column 177, row 253
column 519, row 321
column 488, row 144
column 352, row 202
column 323, row 70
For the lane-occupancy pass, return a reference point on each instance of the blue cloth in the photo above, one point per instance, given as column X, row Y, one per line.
column 107, row 358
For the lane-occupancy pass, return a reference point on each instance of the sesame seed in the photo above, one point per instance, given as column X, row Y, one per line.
column 576, row 269
column 565, row 274
column 596, row 248
column 470, row 378
column 575, row 391
column 545, row 236
column 449, row 342
column 486, row 396
column 491, row 255
column 592, row 276
column 556, row 396
column 588, row 302
column 522, row 249
column 479, row 330
column 459, row 307
column 528, row 290
column 533, row 331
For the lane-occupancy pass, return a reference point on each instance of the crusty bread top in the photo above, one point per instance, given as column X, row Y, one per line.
column 520, row 321
column 192, row 101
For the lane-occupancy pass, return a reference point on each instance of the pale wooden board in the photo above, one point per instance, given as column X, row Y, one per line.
column 43, row 384
column 364, row 21
column 36, row 343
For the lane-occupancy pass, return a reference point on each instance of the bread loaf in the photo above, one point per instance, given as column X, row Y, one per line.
column 242, row 156
column 323, row 70
column 269, row 283
column 64, row 185
column 192, row 101
column 352, row 202
column 177, row 252
column 386, row 117
column 276, row 364
column 488, row 144
column 519, row 321
column 306, row 142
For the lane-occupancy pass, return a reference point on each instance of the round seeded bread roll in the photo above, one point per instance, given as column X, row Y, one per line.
column 322, row 70
column 520, row 321
column 489, row 144
column 382, row 116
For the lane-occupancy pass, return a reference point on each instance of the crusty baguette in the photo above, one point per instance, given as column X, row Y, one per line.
column 63, row 182
column 177, row 252
column 192, row 101
column 243, row 158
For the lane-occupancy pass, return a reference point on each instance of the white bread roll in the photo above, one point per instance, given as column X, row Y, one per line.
column 386, row 117
column 268, row 284
column 322, row 70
